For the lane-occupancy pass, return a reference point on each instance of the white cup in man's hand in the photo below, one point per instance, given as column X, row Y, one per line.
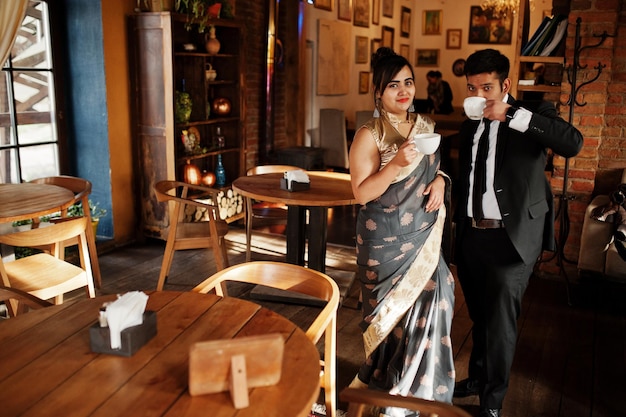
column 427, row 143
column 474, row 107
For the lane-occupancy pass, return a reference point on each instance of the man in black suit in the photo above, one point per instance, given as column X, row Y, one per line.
column 502, row 232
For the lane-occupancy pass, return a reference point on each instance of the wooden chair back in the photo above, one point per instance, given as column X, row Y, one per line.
column 191, row 235
column 81, row 189
column 333, row 138
column 298, row 279
column 261, row 211
column 358, row 399
column 47, row 275
column 24, row 300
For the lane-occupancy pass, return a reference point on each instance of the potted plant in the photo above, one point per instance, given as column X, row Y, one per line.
column 95, row 211
column 200, row 11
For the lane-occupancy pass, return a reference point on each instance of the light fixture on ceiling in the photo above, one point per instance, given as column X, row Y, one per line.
column 503, row 8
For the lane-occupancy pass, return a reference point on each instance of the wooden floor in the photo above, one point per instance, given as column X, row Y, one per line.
column 570, row 361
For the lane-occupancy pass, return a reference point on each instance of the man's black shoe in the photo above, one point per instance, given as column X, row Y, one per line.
column 465, row 388
column 489, row 412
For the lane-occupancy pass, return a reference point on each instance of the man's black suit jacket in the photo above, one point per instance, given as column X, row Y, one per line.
column 523, row 193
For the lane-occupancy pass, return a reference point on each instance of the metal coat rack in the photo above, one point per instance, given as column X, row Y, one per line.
column 563, row 210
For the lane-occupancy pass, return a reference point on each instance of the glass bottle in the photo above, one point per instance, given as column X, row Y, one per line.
column 220, row 173
column 219, row 140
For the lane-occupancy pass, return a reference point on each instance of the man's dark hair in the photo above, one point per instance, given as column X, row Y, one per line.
column 487, row 61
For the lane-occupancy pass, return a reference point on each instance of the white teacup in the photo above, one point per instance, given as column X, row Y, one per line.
column 474, row 107
column 427, row 143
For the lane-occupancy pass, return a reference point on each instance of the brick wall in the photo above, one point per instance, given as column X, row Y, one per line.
column 602, row 120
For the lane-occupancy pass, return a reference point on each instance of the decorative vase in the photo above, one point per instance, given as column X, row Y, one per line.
column 208, row 179
column 212, row 45
column 183, row 107
column 221, row 106
column 192, row 174
column 220, row 173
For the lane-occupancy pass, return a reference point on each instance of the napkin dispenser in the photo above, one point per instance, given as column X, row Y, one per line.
column 133, row 337
column 295, row 180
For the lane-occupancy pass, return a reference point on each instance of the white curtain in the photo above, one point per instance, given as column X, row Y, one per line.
column 12, row 14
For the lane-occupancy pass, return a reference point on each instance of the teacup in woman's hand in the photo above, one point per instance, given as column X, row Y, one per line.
column 427, row 143
column 474, row 107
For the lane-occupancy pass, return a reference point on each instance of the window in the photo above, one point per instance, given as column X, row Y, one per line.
column 29, row 139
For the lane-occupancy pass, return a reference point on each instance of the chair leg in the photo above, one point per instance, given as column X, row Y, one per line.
column 248, row 228
column 93, row 255
column 330, row 369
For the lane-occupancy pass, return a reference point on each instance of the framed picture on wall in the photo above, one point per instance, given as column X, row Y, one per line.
column 405, row 51
column 375, row 12
column 431, row 24
column 362, row 13
column 376, row 43
column 387, row 36
column 324, row 4
column 360, row 50
column 344, row 10
column 427, row 57
column 453, row 38
column 364, row 82
column 485, row 27
column 387, row 8
column 405, row 22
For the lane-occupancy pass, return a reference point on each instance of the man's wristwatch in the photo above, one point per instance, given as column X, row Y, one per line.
column 510, row 113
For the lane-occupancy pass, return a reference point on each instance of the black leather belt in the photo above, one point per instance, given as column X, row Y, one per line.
column 486, row 223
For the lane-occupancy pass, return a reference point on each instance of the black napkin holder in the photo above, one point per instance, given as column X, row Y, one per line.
column 133, row 337
column 295, row 185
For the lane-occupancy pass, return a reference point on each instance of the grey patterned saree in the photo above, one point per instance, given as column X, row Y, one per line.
column 407, row 288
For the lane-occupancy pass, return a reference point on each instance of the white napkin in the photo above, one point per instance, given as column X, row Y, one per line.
column 296, row 175
column 126, row 311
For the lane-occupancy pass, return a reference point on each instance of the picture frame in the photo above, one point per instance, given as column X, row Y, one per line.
column 405, row 51
column 485, row 27
column 324, row 4
column 427, row 57
column 375, row 44
column 375, row 12
column 364, row 82
column 453, row 38
column 387, row 36
column 387, row 8
column 344, row 10
column 431, row 22
column 458, row 67
column 405, row 22
column 360, row 49
column 362, row 13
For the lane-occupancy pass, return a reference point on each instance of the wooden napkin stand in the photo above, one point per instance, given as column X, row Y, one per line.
column 235, row 365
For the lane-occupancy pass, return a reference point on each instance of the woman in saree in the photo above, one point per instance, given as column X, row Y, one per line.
column 407, row 288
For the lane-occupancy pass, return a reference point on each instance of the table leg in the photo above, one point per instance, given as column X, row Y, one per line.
column 318, row 221
column 296, row 236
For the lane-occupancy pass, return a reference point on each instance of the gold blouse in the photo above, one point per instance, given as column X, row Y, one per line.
column 385, row 130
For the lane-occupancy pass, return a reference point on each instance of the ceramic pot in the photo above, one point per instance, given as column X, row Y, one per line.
column 192, row 174
column 212, row 45
column 210, row 74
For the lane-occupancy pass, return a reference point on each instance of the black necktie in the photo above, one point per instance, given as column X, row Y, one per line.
column 480, row 172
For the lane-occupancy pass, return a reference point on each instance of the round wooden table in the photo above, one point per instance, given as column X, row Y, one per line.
column 328, row 189
column 49, row 369
column 26, row 200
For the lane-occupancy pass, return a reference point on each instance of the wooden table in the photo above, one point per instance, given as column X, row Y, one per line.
column 26, row 201
column 328, row 189
column 48, row 367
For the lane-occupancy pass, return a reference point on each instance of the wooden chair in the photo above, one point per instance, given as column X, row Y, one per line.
column 302, row 280
column 46, row 275
column 191, row 235
column 22, row 300
column 358, row 399
column 81, row 189
column 262, row 211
